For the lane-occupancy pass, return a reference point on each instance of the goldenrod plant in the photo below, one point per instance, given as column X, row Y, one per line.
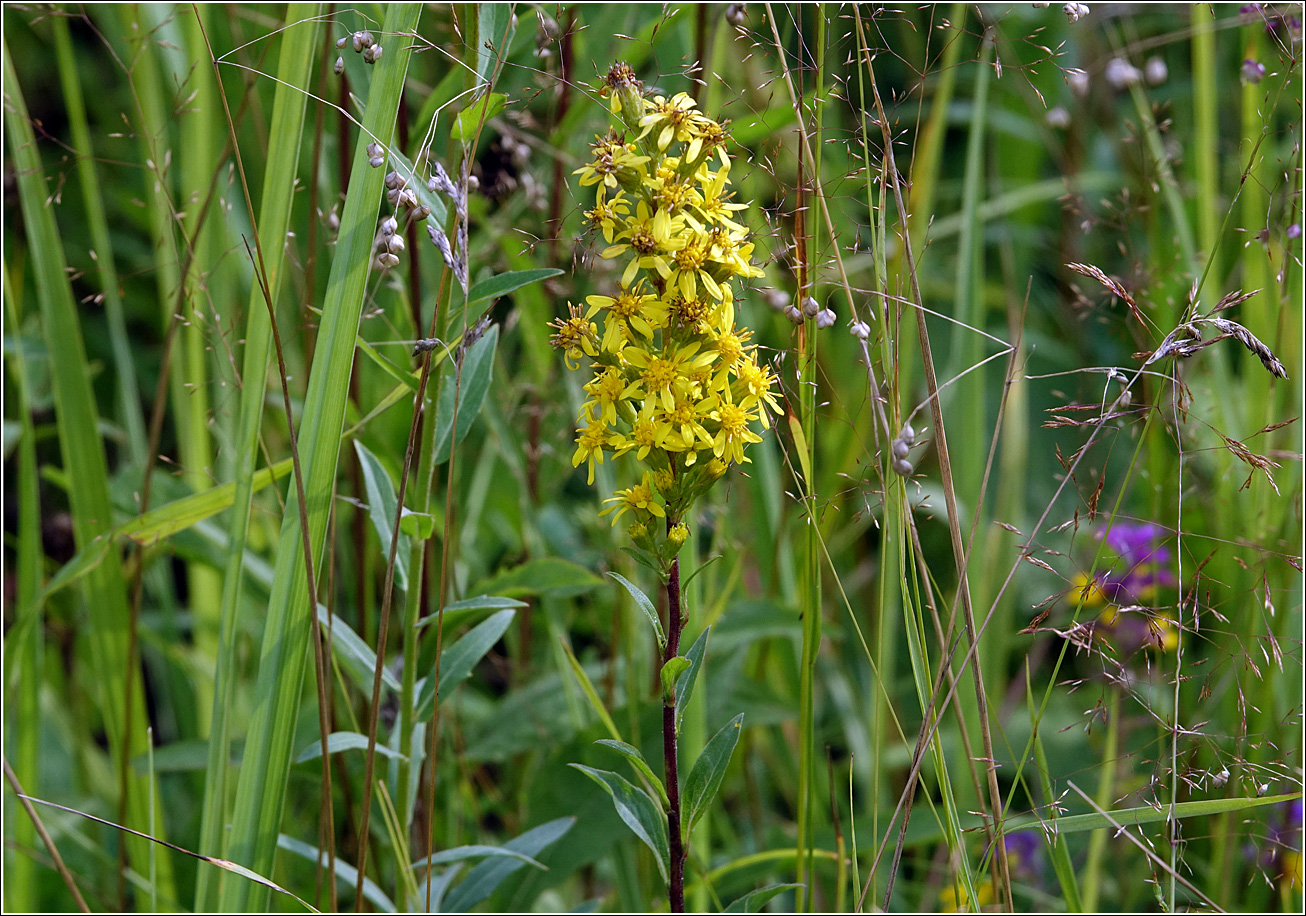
column 675, row 381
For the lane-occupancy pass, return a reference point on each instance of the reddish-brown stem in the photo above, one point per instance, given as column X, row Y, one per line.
column 676, row 887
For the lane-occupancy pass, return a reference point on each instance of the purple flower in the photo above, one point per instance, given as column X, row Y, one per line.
column 1294, row 231
column 1143, row 562
column 1025, row 854
column 1253, row 71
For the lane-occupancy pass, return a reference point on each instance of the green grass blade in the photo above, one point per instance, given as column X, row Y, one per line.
column 293, row 71
column 84, row 461
column 261, row 792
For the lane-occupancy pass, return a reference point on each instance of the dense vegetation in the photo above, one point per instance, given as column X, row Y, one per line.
column 942, row 364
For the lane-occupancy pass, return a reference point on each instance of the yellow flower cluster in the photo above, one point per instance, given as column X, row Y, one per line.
column 675, row 380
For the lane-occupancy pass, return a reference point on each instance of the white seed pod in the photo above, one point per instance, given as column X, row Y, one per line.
column 341, row 42
column 793, row 314
column 388, row 226
column 811, row 306
column 376, row 161
column 825, row 318
column 860, row 329
column 901, row 449
column 408, row 199
column 358, row 42
column 339, row 68
column 375, row 149
column 473, row 183
column 395, row 244
column 1155, row 70
column 368, row 39
column 386, row 261
column 392, row 197
column 1075, row 11
column 376, row 53
column 367, row 55
column 421, row 212
column 907, row 434
column 1121, row 74
column 1220, row 779
column 902, row 468
column 393, row 180
column 735, row 14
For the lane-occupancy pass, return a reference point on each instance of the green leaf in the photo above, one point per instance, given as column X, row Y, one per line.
column 419, row 525
column 753, row 900
column 470, row 387
column 470, row 119
column 457, row 661
column 671, row 673
column 543, row 576
column 355, row 656
column 346, row 874
column 638, row 810
column 503, row 284
column 800, row 446
column 587, row 686
column 461, row 853
column 644, row 559
column 695, row 655
column 705, row 564
column 482, row 880
column 494, row 33
column 459, row 611
column 381, row 506
column 644, row 604
column 637, row 759
column 705, row 778
column 343, row 741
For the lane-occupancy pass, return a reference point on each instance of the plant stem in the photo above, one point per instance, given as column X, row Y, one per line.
column 676, row 887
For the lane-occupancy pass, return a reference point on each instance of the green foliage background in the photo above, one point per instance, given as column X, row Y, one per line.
column 144, row 409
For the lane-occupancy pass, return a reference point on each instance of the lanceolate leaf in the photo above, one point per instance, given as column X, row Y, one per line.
column 486, row 877
column 457, row 661
column 644, row 604
column 381, row 503
column 705, row 778
column 695, row 656
column 503, row 284
column 470, row 386
column 342, row 741
column 640, row 812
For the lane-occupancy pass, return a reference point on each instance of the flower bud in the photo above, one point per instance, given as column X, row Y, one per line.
column 1075, row 11
column 392, row 197
column 1078, row 81
column 907, row 434
column 792, row 313
column 367, row 39
column 421, row 213
column 860, row 329
column 339, row 68
column 901, row 449
column 393, row 180
column 1252, row 72
column 811, row 306
column 1155, row 70
column 735, row 14
column 1121, row 74
column 825, row 318
column 677, row 534
column 389, row 225
column 395, row 244
column 902, row 468
column 358, row 42
column 341, row 42
column 626, row 94
column 408, row 199
column 376, row 162
column 1058, row 117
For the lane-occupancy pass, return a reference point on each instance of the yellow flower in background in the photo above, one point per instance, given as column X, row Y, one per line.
column 676, row 381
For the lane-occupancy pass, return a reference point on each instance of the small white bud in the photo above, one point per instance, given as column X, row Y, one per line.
column 1221, row 779
column 386, row 261
column 1075, row 11
column 376, row 53
column 1155, row 70
column 825, row 318
column 811, row 306
column 375, row 149
column 735, row 14
column 473, row 183
column 407, row 199
column 1058, row 117
column 902, row 468
column 358, row 42
column 907, row 434
column 793, row 314
column 860, row 329
column 333, row 221
column 1121, row 74
column 367, row 39
column 367, row 55
column 1262, row 789
column 340, row 66
column 395, row 244
column 389, row 225
column 376, row 161
column 901, row 449
column 392, row 197
column 421, row 212
column 341, row 42
column 394, row 180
